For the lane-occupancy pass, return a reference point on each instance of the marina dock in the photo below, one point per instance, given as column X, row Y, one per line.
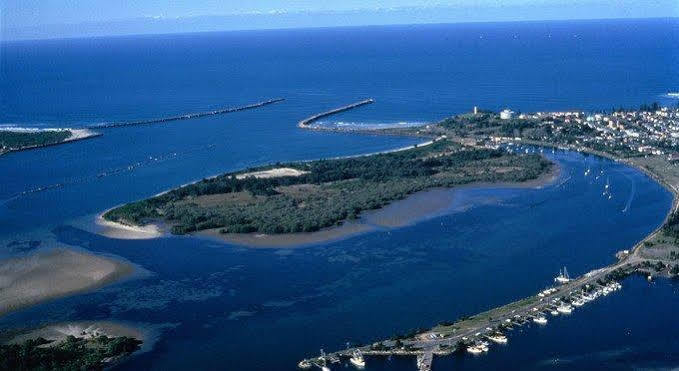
column 307, row 121
column 475, row 334
column 187, row 116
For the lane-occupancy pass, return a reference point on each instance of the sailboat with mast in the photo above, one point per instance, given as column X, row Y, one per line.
column 563, row 276
column 357, row 359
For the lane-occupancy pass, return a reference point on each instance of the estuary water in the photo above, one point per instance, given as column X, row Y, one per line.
column 220, row 306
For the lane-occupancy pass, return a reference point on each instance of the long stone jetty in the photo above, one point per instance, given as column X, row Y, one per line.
column 187, row 116
column 307, row 121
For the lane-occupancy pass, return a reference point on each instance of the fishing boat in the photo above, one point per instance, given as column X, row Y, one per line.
column 357, row 359
column 563, row 276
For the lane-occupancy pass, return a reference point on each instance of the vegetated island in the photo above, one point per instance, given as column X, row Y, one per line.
column 313, row 196
column 646, row 138
column 70, row 346
column 19, row 139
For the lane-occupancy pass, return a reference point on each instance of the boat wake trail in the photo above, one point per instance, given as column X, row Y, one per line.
column 150, row 161
column 632, row 193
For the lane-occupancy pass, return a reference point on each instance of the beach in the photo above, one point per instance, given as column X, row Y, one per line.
column 38, row 277
column 273, row 173
column 126, row 232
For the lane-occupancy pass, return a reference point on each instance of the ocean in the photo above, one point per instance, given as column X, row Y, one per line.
column 219, row 306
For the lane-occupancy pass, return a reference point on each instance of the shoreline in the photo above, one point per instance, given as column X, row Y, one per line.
column 122, row 231
column 76, row 135
column 347, row 229
column 152, row 230
column 368, row 221
column 55, row 273
column 444, row 340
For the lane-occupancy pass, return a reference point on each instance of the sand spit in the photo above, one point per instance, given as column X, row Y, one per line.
column 122, row 231
column 273, row 173
column 54, row 273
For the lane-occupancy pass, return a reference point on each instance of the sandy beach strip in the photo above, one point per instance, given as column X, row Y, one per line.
column 273, row 173
column 54, row 273
column 122, row 231
column 77, row 134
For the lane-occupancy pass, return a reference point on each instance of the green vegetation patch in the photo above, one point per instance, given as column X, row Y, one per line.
column 13, row 140
column 328, row 193
column 71, row 354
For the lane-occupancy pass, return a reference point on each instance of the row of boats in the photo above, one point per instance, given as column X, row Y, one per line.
column 321, row 362
column 558, row 307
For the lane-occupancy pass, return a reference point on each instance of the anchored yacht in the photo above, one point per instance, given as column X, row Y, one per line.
column 563, row 276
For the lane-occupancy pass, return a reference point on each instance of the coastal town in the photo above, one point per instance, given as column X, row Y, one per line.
column 650, row 130
column 647, row 138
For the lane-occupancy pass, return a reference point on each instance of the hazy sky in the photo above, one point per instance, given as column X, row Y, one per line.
column 66, row 18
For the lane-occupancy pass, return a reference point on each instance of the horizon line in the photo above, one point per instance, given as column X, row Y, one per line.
column 5, row 41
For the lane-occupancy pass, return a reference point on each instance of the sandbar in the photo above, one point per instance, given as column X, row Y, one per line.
column 126, row 232
column 58, row 272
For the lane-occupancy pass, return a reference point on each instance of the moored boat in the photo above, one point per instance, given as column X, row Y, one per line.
column 563, row 276
column 357, row 359
column 564, row 308
column 540, row 320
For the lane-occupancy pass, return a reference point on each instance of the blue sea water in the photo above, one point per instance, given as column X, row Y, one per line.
column 218, row 306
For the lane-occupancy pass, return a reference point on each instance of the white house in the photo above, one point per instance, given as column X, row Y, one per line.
column 506, row 114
